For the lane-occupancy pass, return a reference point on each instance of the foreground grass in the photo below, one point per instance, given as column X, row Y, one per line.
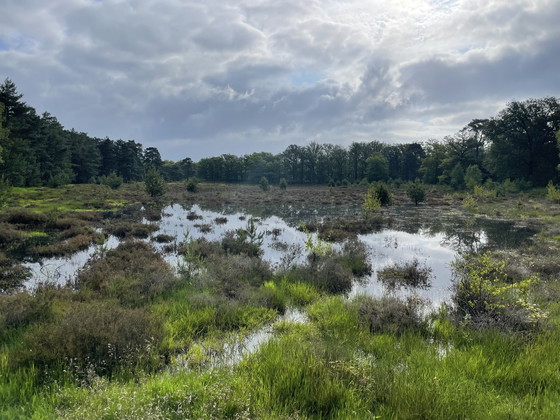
column 330, row 368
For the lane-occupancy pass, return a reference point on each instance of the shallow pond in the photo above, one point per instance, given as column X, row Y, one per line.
column 434, row 241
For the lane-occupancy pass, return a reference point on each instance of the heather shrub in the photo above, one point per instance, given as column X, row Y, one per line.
column 22, row 309
column 354, row 256
column 12, row 274
column 411, row 274
column 133, row 273
column 98, row 336
column 388, row 314
column 25, row 217
column 232, row 274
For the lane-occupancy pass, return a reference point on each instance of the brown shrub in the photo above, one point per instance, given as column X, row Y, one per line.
column 12, row 274
column 388, row 314
column 133, row 273
column 96, row 335
column 25, row 217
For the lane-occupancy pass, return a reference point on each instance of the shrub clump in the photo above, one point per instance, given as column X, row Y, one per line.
column 192, row 185
column 389, row 314
column 411, row 274
column 485, row 296
column 133, row 273
column 100, row 336
column 12, row 274
column 112, row 180
column 25, row 217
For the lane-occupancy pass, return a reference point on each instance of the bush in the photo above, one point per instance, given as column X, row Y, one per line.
column 12, row 274
column 98, row 336
column 406, row 274
column 25, row 217
column 22, row 309
column 552, row 193
column 232, row 275
column 154, row 183
column 112, row 180
column 389, row 314
column 485, row 296
column 416, row 192
column 377, row 195
column 264, row 184
column 133, row 272
column 283, row 184
column 354, row 257
column 192, row 185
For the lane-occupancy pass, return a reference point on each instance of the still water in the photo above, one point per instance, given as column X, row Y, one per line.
column 433, row 241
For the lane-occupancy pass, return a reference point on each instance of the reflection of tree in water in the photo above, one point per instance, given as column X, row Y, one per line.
column 462, row 234
column 475, row 235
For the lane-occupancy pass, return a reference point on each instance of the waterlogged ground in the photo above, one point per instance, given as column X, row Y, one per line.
column 435, row 242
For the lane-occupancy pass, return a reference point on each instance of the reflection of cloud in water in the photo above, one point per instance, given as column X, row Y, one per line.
column 428, row 248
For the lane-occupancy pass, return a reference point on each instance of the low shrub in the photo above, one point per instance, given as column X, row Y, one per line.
column 133, row 272
column 231, row 274
column 192, row 185
column 12, row 274
column 325, row 274
column 9, row 235
column 127, row 229
column 389, row 314
column 411, row 274
column 100, row 336
column 485, row 296
column 163, row 238
column 25, row 217
column 354, row 256
column 22, row 309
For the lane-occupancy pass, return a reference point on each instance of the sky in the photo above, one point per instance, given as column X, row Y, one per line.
column 202, row 78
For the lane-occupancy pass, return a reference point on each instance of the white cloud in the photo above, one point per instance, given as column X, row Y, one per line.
column 199, row 79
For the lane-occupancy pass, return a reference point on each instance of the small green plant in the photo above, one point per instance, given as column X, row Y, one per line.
column 552, row 193
column 377, row 196
column 154, row 183
column 316, row 246
column 283, row 184
column 416, row 192
column 485, row 295
column 112, row 180
column 192, row 185
column 470, row 203
column 264, row 184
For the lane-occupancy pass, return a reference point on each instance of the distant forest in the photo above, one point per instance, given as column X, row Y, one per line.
column 521, row 144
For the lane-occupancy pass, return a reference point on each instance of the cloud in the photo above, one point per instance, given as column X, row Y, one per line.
column 252, row 75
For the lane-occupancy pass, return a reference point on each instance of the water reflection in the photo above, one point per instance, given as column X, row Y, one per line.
column 434, row 240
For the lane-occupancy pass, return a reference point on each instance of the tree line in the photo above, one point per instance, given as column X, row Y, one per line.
column 520, row 144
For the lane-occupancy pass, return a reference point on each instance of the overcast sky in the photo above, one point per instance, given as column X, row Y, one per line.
column 202, row 78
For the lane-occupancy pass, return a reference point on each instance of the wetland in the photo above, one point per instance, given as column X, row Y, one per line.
column 233, row 302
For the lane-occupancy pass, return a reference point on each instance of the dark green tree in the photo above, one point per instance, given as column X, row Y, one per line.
column 523, row 143
column 416, row 192
column 154, row 183
column 377, row 168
